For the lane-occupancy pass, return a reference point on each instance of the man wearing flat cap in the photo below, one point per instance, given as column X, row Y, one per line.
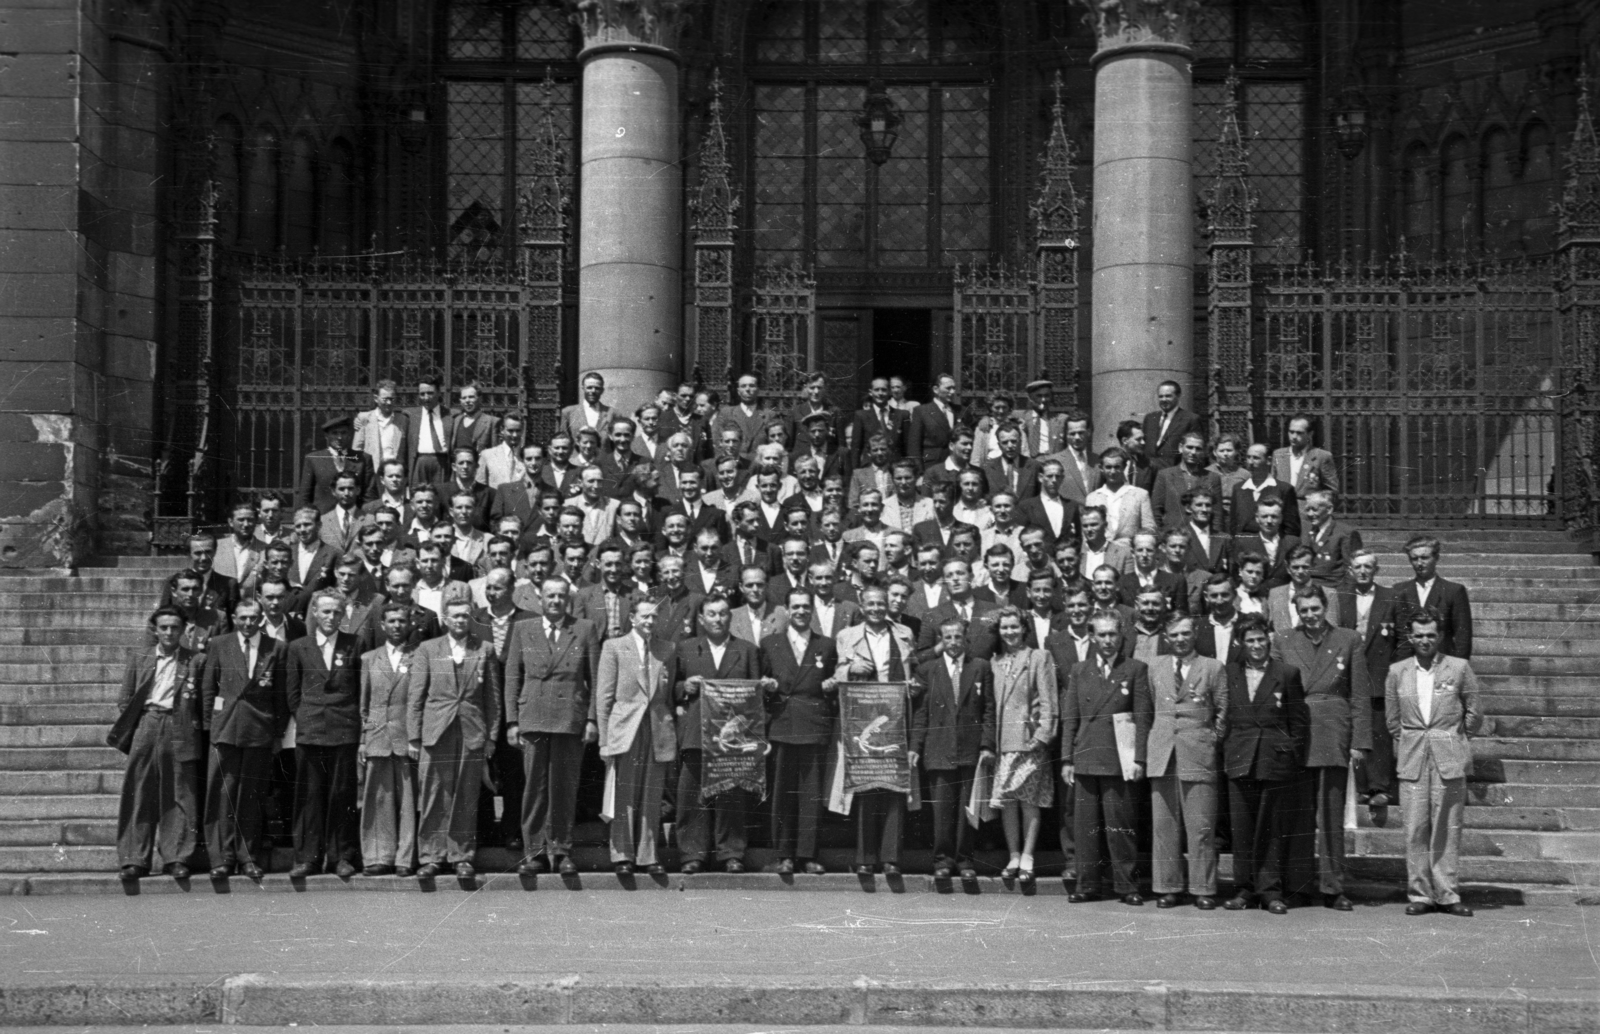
column 1042, row 434
column 819, row 442
column 320, row 469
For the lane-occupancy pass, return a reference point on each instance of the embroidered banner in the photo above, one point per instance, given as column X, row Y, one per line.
column 733, row 738
column 874, row 728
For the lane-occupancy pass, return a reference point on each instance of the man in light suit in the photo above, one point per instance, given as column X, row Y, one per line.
column 1042, row 434
column 1432, row 710
column 549, row 678
column 1281, row 610
column 244, row 709
column 239, row 555
column 933, row 425
column 830, row 615
column 1190, row 695
column 1334, row 673
column 1372, row 612
column 633, row 711
column 382, row 432
column 1080, row 467
column 323, row 685
column 1165, row 426
column 590, row 411
column 341, row 523
column 1301, row 465
column 1096, row 550
column 1448, row 599
column 506, row 461
column 1127, row 507
column 748, row 414
column 389, row 792
column 453, row 712
column 800, row 716
column 755, row 619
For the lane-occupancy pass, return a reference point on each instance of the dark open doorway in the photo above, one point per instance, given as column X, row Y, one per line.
column 902, row 346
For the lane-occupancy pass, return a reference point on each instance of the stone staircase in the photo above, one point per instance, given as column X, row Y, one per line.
column 1533, row 817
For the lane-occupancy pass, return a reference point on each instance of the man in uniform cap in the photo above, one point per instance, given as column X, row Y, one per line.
column 1042, row 434
column 320, row 469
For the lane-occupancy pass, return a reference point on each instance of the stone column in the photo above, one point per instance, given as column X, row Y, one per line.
column 630, row 243
column 1143, row 208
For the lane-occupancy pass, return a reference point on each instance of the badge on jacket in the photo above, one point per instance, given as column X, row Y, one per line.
column 340, row 658
column 1339, row 663
column 1123, row 685
column 1277, row 698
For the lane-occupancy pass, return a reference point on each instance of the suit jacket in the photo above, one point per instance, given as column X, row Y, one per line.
column 739, row 661
column 1337, row 693
column 1334, row 547
column 1455, row 616
column 1217, row 559
column 1267, row 736
column 851, row 644
column 1280, row 608
column 773, row 624
column 724, row 579
column 1442, row 740
column 325, row 702
column 1162, row 450
column 318, row 472
column 1278, row 569
column 1242, row 508
column 1089, row 702
column 372, row 447
column 1026, row 473
column 708, row 517
column 1318, row 470
column 1030, row 634
column 385, row 703
column 1118, row 556
column 677, row 617
column 1166, row 498
column 1074, row 484
column 751, row 427
column 672, row 422
column 1031, row 512
column 573, row 419
column 928, row 435
column 630, row 689
column 444, row 693
column 1174, row 587
column 254, row 708
column 425, row 625
column 982, row 637
column 236, row 563
column 217, row 591
column 1383, row 630
column 1191, row 721
column 865, row 424
column 845, row 615
column 1127, row 514
column 958, row 721
column 1026, row 699
column 482, row 626
column 1205, row 642
column 482, row 498
column 139, row 678
column 342, row 541
column 551, row 691
column 511, row 500
column 481, row 435
column 800, row 710
column 1030, row 433
column 590, row 605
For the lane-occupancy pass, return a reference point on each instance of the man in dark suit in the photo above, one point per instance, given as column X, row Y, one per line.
column 311, row 566
column 1093, row 693
column 955, row 734
column 470, row 427
column 1268, row 542
column 463, row 480
column 877, row 417
column 681, row 417
column 608, row 605
column 1258, row 486
column 1372, row 612
column 1217, row 627
column 976, row 615
column 1268, row 730
column 678, row 609
column 520, row 498
column 943, row 527
column 217, row 591
column 1147, row 573
column 1332, row 542
column 800, row 717
column 319, row 469
column 244, row 709
column 1174, row 482
column 700, row 515
column 453, row 716
column 1427, row 589
column 707, row 572
column 1207, row 548
column 1041, row 619
column 933, row 425
column 550, row 670
column 714, row 654
column 323, row 685
column 814, row 403
column 398, row 584
column 428, row 434
column 1011, row 472
column 278, row 617
column 1050, row 510
column 1165, row 426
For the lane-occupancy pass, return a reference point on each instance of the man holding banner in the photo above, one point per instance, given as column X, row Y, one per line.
column 719, row 806
column 877, row 766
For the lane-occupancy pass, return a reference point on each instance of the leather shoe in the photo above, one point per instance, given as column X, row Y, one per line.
column 1169, row 901
column 532, row 867
column 624, row 868
column 1278, row 907
column 816, row 868
column 300, row 872
column 429, row 871
column 568, row 867
column 179, row 871
column 864, row 870
column 132, row 872
column 890, row 869
column 344, row 870
column 692, row 867
column 465, row 871
column 1418, row 908
column 733, row 865
column 221, row 872
column 1076, row 898
column 405, row 871
column 1459, row 909
column 252, row 871
column 786, row 867
column 378, row 870
column 1237, row 903
column 942, row 873
column 1132, row 898
column 1337, row 902
column 1205, row 904
column 969, row 875
column 656, row 869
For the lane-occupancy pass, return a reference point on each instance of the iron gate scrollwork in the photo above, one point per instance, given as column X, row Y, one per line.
column 781, row 322
column 994, row 339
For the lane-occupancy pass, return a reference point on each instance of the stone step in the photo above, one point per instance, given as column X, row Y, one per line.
column 61, row 781
column 1528, row 646
column 135, row 563
column 1540, row 726
column 57, row 714
column 85, row 617
column 1539, row 629
column 62, row 807
column 60, row 858
column 1505, row 748
column 55, row 736
column 25, row 673
column 14, row 759
column 1454, row 537
column 1559, row 707
column 106, row 634
column 1506, row 817
column 1399, row 567
column 139, row 602
column 50, row 833
column 114, row 582
column 1528, row 610
column 1573, row 585
column 1484, row 769
column 43, row 656
column 1519, row 663
column 1510, row 844
column 1536, row 594
column 1475, row 869
column 100, row 691
column 1528, row 795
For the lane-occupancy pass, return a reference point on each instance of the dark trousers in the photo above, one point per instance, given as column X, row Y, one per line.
column 722, row 816
column 1103, row 834
column 158, row 822
column 1316, row 848
column 1377, row 772
column 326, row 829
column 797, row 797
column 880, row 826
column 238, row 783
column 550, row 763
column 1261, row 810
column 506, row 770
column 1066, row 809
column 948, row 790
column 428, row 468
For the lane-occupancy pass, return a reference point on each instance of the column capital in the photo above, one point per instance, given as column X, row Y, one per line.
column 653, row 26
column 1140, row 24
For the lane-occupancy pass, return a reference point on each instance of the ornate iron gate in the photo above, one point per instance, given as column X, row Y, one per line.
column 781, row 331
column 994, row 339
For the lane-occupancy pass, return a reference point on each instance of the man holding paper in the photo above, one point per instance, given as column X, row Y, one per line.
column 955, row 736
column 1105, row 725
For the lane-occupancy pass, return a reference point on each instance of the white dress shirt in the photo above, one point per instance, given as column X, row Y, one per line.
column 325, row 644
column 1425, row 693
column 164, row 691
column 717, row 652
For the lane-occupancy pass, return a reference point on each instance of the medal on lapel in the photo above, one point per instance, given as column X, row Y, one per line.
column 264, row 679
column 339, row 658
column 1277, row 698
column 1340, row 663
column 1123, row 685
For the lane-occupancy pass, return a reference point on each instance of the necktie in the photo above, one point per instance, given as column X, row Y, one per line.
column 749, row 554
column 1178, row 671
column 1105, row 670
column 550, row 633
column 438, row 429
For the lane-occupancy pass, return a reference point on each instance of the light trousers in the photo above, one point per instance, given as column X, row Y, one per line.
column 1432, row 808
column 1173, row 802
column 389, row 812
column 451, row 775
